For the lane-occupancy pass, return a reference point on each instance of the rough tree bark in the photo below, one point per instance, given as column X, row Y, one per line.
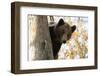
column 42, row 40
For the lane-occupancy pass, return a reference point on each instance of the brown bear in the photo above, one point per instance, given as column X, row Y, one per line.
column 60, row 33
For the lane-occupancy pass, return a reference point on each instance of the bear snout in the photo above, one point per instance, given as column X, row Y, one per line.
column 64, row 41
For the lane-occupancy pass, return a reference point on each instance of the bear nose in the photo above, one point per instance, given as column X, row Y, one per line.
column 64, row 41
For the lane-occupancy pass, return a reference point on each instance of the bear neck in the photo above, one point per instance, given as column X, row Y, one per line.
column 54, row 36
column 55, row 42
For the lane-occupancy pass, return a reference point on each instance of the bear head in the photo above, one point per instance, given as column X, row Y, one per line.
column 64, row 31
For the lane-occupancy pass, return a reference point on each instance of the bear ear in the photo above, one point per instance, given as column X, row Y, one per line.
column 73, row 28
column 60, row 23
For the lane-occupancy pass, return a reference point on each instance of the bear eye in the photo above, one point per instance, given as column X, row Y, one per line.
column 63, row 31
column 68, row 35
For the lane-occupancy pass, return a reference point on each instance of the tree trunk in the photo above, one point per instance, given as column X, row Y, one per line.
column 41, row 41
